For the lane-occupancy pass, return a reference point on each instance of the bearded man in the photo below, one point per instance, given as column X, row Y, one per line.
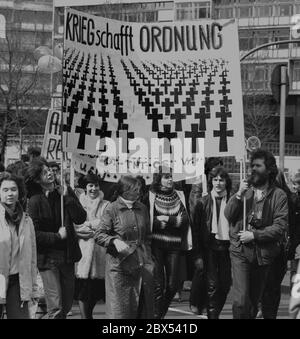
column 252, row 250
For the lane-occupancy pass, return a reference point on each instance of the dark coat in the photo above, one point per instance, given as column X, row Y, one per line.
column 294, row 224
column 269, row 235
column 127, row 273
column 203, row 213
column 46, row 216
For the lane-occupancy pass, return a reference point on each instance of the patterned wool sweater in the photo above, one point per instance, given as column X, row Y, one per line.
column 171, row 235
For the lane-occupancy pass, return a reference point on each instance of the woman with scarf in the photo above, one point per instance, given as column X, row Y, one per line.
column 212, row 241
column 125, row 232
column 18, row 271
column 171, row 235
column 90, row 270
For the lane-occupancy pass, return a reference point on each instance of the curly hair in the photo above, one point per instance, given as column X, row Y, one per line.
column 7, row 176
column 33, row 175
column 222, row 173
column 270, row 163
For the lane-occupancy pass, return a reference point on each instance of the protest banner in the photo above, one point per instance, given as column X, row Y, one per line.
column 142, row 94
column 51, row 149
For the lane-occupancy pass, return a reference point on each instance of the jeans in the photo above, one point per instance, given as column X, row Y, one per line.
column 59, row 284
column 15, row 308
column 166, row 279
column 249, row 280
column 218, row 268
column 272, row 293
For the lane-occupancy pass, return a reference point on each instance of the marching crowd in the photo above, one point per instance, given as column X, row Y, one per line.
column 132, row 246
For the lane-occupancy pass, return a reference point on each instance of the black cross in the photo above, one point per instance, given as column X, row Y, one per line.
column 91, row 98
column 149, row 85
column 224, row 91
column 166, row 134
column 224, row 114
column 225, row 102
column 117, row 102
column 176, row 94
column 194, row 83
column 125, row 135
column 199, row 75
column 224, row 81
column 134, row 84
column 78, row 96
column 103, row 113
column 188, row 103
column 157, row 93
column 167, row 104
column 183, row 77
column 177, row 73
column 141, row 93
column 103, row 101
column 209, row 81
column 157, row 78
column 190, row 72
column 102, row 82
column 225, row 73
column 178, row 119
column 191, row 93
column 82, row 87
column 120, row 115
column 180, row 85
column 154, row 116
column 207, row 103
column 205, row 69
column 202, row 116
column 72, row 109
column 70, row 86
column 147, row 103
column 102, row 90
column 194, row 134
column 103, row 133
column 223, row 133
column 207, row 92
column 83, row 130
column 115, row 91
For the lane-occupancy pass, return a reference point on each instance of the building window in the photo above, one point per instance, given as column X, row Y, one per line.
column 264, row 11
column 285, row 10
column 245, row 12
column 296, row 71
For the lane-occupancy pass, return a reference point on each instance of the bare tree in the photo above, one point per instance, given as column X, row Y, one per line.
column 260, row 117
column 22, row 89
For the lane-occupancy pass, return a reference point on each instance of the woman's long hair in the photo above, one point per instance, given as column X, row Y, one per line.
column 156, row 182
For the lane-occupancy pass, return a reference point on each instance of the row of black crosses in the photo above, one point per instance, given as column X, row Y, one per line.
column 224, row 113
column 174, row 76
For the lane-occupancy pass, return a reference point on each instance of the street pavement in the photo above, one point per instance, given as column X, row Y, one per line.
column 180, row 310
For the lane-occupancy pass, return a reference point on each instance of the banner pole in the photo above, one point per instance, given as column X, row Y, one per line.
column 72, row 173
column 244, row 199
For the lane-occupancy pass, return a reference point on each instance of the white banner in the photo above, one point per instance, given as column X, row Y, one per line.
column 144, row 90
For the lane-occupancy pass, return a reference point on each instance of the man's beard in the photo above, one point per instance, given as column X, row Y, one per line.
column 258, row 179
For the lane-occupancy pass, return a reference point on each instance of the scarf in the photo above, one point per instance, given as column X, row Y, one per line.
column 220, row 227
column 128, row 203
column 14, row 216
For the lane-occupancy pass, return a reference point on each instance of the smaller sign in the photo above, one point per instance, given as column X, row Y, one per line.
column 52, row 146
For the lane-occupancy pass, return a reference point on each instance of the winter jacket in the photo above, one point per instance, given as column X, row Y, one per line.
column 203, row 213
column 294, row 230
column 46, row 215
column 269, row 235
column 127, row 273
column 27, row 257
